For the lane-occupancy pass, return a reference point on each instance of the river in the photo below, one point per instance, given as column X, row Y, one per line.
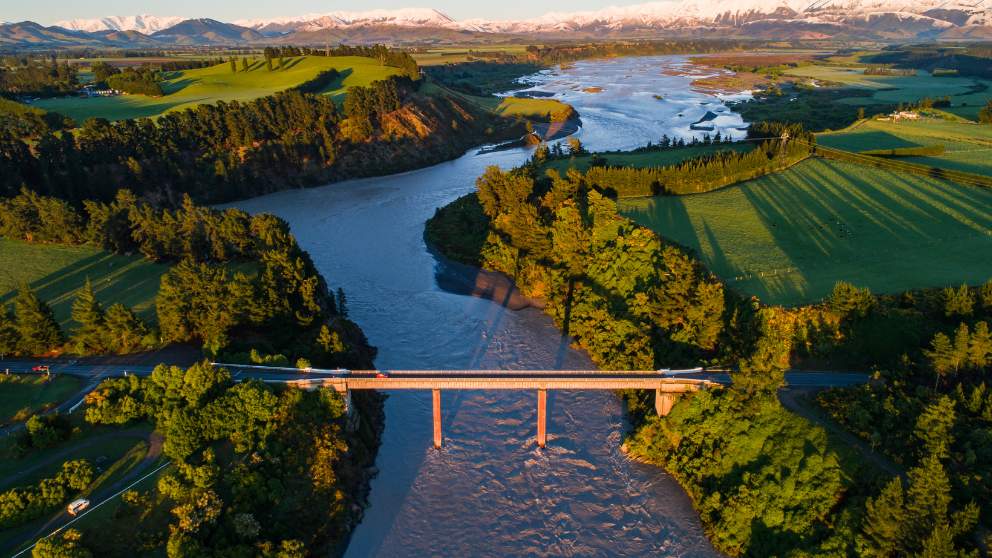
column 490, row 491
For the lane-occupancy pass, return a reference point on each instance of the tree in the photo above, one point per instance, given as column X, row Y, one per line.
column 885, row 516
column 985, row 115
column 244, row 64
column 934, row 425
column 234, row 66
column 88, row 337
column 958, row 302
column 124, row 331
column 575, row 146
column 985, row 295
column 68, row 545
column 9, row 339
column 36, row 325
column 848, row 300
column 942, row 356
column 980, row 347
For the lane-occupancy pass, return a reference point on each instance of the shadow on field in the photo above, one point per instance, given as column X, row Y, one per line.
column 129, row 281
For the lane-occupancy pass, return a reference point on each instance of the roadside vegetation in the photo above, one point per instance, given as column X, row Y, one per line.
column 255, row 469
column 24, row 395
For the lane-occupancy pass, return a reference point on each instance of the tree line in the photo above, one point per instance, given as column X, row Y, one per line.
column 34, row 77
column 238, row 149
column 780, row 147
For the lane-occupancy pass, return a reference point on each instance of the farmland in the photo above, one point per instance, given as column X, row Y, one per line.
column 967, row 94
column 57, row 272
column 788, row 237
column 189, row 88
column 967, row 147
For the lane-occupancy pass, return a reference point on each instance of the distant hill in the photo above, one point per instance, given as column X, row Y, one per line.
column 207, row 32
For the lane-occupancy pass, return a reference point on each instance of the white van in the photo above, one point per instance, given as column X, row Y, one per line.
column 77, row 506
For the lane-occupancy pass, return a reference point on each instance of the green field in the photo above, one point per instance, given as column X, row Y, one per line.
column 645, row 159
column 218, row 83
column 57, row 272
column 22, row 395
column 788, row 237
column 968, row 147
column 458, row 54
column 968, row 95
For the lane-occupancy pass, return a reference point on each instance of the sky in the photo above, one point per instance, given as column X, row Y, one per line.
column 50, row 11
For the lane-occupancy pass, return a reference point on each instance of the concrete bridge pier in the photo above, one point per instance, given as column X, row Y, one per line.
column 351, row 414
column 436, row 396
column 542, row 417
column 664, row 401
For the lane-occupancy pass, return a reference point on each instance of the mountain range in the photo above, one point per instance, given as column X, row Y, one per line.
column 765, row 19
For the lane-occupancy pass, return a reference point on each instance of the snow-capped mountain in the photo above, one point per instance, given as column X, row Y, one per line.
column 888, row 17
column 768, row 19
column 407, row 17
column 146, row 24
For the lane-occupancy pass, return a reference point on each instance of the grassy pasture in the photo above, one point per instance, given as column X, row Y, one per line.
column 968, row 147
column 533, row 108
column 189, row 88
column 22, row 395
column 458, row 54
column 968, row 95
column 57, row 272
column 788, row 237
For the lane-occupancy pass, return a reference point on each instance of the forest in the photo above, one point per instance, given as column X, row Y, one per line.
column 234, row 150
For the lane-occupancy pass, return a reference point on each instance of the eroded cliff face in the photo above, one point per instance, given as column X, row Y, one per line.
column 425, row 130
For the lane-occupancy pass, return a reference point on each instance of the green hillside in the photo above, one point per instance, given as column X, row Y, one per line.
column 967, row 146
column 218, row 83
column 789, row 236
column 57, row 272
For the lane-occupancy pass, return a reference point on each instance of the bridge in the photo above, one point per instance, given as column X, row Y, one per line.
column 665, row 383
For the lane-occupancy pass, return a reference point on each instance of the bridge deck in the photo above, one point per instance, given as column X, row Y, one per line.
column 506, row 380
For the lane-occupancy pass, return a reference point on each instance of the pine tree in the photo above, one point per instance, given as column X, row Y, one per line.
column 124, row 330
column 985, row 296
column 941, row 355
column 928, row 500
column 244, row 64
column 88, row 337
column 958, row 302
column 234, row 66
column 8, row 332
column 885, row 516
column 980, row 347
column 934, row 425
column 36, row 325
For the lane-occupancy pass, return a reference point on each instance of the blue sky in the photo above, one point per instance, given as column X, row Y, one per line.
column 49, row 11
